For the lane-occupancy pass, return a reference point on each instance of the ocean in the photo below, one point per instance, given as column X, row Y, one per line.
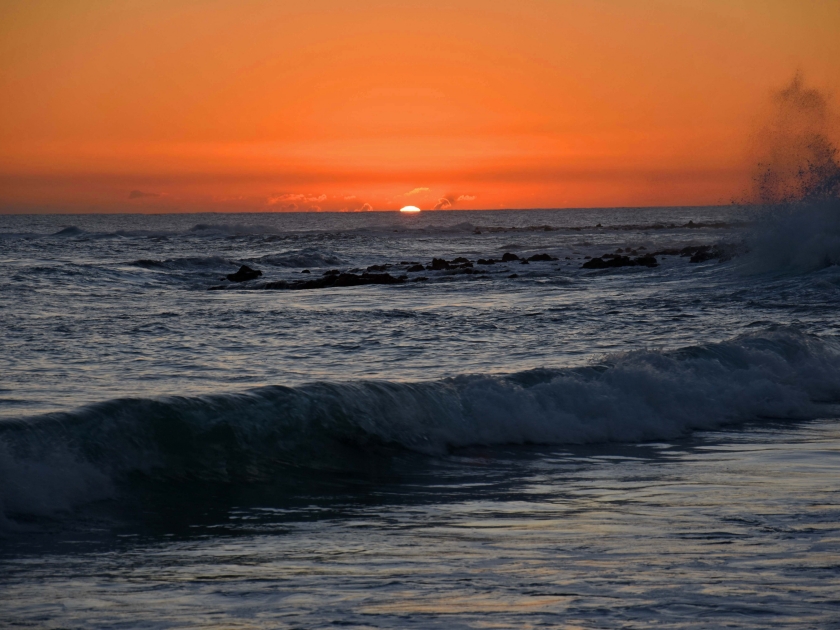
column 465, row 419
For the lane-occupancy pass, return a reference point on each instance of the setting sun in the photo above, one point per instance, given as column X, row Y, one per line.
column 284, row 107
column 409, row 209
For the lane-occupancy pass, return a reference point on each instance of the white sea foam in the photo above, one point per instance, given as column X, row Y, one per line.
column 53, row 462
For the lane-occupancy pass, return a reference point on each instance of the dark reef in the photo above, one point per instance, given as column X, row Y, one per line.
column 244, row 274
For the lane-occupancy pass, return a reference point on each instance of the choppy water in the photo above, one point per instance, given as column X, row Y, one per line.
column 495, row 446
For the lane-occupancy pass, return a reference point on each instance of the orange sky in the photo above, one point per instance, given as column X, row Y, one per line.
column 193, row 105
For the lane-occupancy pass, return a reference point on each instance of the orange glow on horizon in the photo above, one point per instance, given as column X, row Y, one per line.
column 254, row 105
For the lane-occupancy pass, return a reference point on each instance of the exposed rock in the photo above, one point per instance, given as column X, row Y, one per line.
column 541, row 258
column 306, row 271
column 415, row 268
column 378, row 267
column 508, row 257
column 486, row 261
column 619, row 261
column 460, row 261
column 244, row 274
column 438, row 264
column 334, row 280
column 646, row 261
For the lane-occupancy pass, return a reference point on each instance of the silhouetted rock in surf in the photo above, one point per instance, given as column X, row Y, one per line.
column 332, row 280
column 541, row 258
column 645, row 261
column 614, row 260
column 244, row 274
column 438, row 264
column 508, row 257
column 416, row 268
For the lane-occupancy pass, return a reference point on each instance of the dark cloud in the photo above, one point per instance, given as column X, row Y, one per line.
column 139, row 194
column 443, row 204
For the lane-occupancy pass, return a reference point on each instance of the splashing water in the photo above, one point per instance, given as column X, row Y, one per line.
column 799, row 160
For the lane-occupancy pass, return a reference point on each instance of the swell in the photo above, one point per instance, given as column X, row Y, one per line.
column 385, row 226
column 54, row 462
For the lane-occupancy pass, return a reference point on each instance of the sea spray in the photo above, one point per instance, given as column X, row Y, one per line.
column 798, row 159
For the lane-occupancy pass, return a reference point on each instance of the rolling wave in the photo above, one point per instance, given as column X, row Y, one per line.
column 54, row 462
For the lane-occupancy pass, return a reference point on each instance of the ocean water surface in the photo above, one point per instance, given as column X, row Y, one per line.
column 581, row 418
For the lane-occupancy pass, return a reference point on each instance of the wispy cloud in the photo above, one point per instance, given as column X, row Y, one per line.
column 349, row 197
column 466, row 198
column 443, row 204
column 284, row 198
column 273, row 200
column 366, row 207
column 416, row 191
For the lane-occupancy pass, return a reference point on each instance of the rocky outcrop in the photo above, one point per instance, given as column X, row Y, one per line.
column 244, row 274
column 335, row 280
column 702, row 253
column 610, row 261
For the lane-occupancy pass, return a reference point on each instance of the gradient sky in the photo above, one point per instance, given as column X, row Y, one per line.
column 186, row 105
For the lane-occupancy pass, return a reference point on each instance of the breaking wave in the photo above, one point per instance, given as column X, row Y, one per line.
column 70, row 231
column 54, row 462
column 796, row 237
column 187, row 263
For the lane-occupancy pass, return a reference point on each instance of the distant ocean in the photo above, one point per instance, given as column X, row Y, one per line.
column 544, row 418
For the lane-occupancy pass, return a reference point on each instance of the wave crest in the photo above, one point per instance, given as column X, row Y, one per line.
column 55, row 461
